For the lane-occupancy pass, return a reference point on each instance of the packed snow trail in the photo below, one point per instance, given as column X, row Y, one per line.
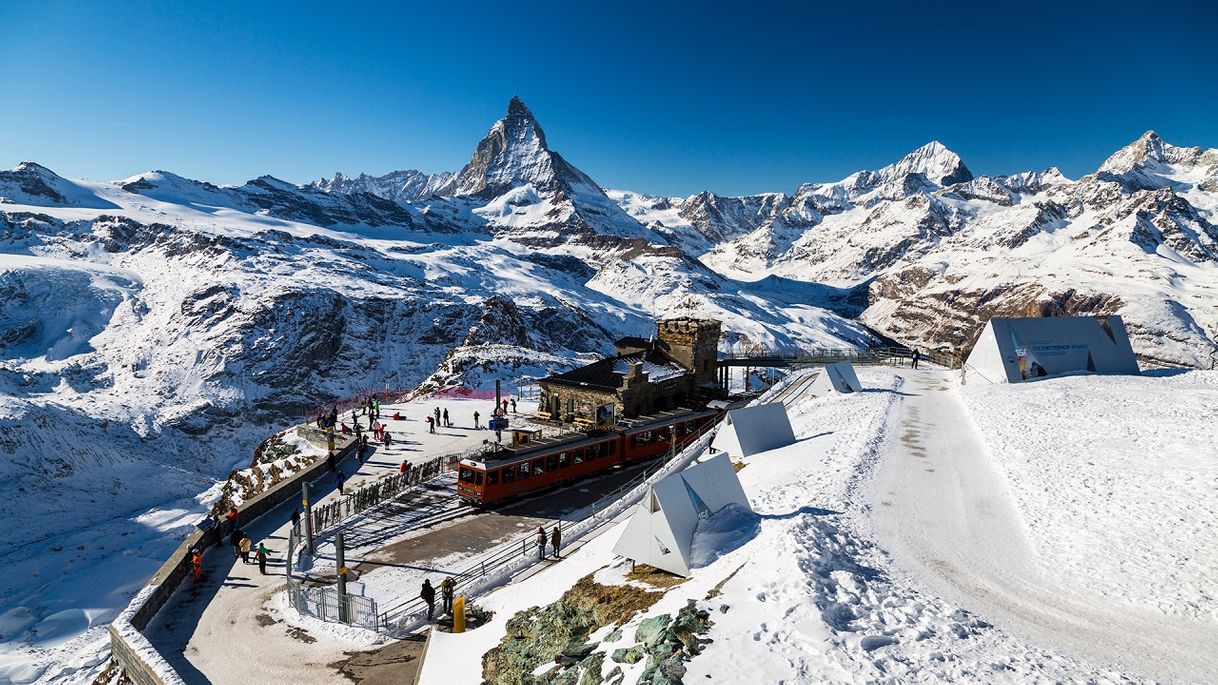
column 944, row 511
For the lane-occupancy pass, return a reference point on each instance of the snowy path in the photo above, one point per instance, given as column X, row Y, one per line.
column 945, row 513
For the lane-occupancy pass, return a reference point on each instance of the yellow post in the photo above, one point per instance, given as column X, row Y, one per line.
column 459, row 614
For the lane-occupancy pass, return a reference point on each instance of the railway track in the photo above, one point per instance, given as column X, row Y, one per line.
column 796, row 389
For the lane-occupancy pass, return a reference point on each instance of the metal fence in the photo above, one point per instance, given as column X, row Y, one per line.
column 325, row 603
column 815, row 356
column 372, row 494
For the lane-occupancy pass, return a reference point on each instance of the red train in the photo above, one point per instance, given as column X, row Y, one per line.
column 509, row 471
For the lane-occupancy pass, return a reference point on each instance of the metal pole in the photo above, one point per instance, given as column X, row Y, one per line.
column 308, row 511
column 342, row 577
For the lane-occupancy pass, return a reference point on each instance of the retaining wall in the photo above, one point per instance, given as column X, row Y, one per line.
column 128, row 646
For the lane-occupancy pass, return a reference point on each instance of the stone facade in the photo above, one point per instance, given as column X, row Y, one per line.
column 684, row 354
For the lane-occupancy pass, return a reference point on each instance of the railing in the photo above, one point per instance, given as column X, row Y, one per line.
column 384, row 488
column 327, row 604
column 796, row 356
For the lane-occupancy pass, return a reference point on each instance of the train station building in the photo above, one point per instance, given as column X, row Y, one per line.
column 678, row 367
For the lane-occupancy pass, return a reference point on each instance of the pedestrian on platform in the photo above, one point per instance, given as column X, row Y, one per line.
column 331, row 462
column 364, row 440
column 513, row 405
column 404, row 466
column 447, row 586
column 541, row 543
column 246, row 543
column 196, row 563
column 436, row 413
column 232, row 516
column 377, row 405
column 234, row 539
column 388, row 439
column 429, row 595
column 447, row 423
column 296, row 520
column 339, row 480
column 476, row 424
column 555, row 541
column 261, row 556
column 505, row 403
column 916, row 356
column 363, row 407
column 431, row 425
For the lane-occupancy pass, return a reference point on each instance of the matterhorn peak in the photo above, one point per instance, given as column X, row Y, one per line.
column 514, row 153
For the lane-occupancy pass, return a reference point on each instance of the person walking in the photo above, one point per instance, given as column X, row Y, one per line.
column 447, row 423
column 555, row 541
column 296, row 520
column 476, row 424
column 541, row 543
column 388, row 439
column 196, row 563
column 429, row 595
column 513, row 405
column 339, row 480
column 431, row 425
column 436, row 413
column 234, row 539
column 916, row 355
column 232, row 516
column 246, row 543
column 447, row 586
column 261, row 556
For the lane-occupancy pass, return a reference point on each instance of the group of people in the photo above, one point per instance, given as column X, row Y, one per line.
column 555, row 542
column 428, row 594
column 242, row 545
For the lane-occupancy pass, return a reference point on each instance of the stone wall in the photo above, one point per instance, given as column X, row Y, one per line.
column 694, row 343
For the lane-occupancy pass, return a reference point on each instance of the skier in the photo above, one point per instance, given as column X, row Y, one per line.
column 446, row 591
column 245, row 548
column 555, row 540
column 429, row 595
column 339, row 480
column 476, row 424
column 261, row 555
column 447, row 423
column 541, row 543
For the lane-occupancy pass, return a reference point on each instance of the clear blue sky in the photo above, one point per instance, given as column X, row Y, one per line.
column 656, row 97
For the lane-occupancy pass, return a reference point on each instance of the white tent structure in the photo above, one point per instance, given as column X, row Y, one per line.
column 1015, row 350
column 661, row 530
column 836, row 377
column 750, row 430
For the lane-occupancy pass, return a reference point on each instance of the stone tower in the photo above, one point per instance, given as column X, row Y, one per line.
column 693, row 343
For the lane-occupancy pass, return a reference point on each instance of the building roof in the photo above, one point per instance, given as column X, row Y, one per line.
column 607, row 374
column 632, row 341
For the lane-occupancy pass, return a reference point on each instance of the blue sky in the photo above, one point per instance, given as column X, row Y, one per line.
column 657, row 97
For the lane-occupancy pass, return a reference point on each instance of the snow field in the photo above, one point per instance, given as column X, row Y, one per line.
column 1116, row 480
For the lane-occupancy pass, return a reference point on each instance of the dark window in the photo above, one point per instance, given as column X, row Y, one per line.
column 466, row 475
column 509, row 475
column 578, row 455
column 613, row 447
column 539, row 466
column 634, row 441
column 477, row 478
column 492, row 478
column 564, row 460
column 524, row 470
column 552, row 462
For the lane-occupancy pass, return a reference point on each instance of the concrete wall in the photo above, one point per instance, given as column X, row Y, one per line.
column 132, row 657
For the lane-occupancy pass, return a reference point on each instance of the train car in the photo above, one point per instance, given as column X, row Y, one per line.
column 510, row 471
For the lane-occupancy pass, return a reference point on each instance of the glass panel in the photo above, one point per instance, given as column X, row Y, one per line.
column 564, row 460
column 492, row 477
column 509, row 475
column 477, row 478
column 539, row 466
column 467, row 475
column 524, row 470
column 578, row 455
column 552, row 462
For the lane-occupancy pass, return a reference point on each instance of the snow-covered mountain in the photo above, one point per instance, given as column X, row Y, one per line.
column 169, row 324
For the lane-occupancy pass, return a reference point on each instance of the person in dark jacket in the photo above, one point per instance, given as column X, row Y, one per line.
column 555, row 541
column 429, row 595
column 541, row 543
column 476, row 424
column 296, row 520
column 234, row 539
column 330, row 461
column 340, row 479
column 447, row 423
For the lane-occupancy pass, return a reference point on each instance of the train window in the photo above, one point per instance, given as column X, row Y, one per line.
column 492, row 478
column 466, row 475
column 613, row 447
column 564, row 460
column 539, row 466
column 509, row 475
column 524, row 470
column 477, row 478
column 578, row 456
column 634, row 441
column 552, row 462
column 602, row 450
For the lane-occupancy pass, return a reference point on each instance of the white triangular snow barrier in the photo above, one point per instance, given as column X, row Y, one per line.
column 836, row 377
column 750, row 430
column 661, row 530
column 1014, row 350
